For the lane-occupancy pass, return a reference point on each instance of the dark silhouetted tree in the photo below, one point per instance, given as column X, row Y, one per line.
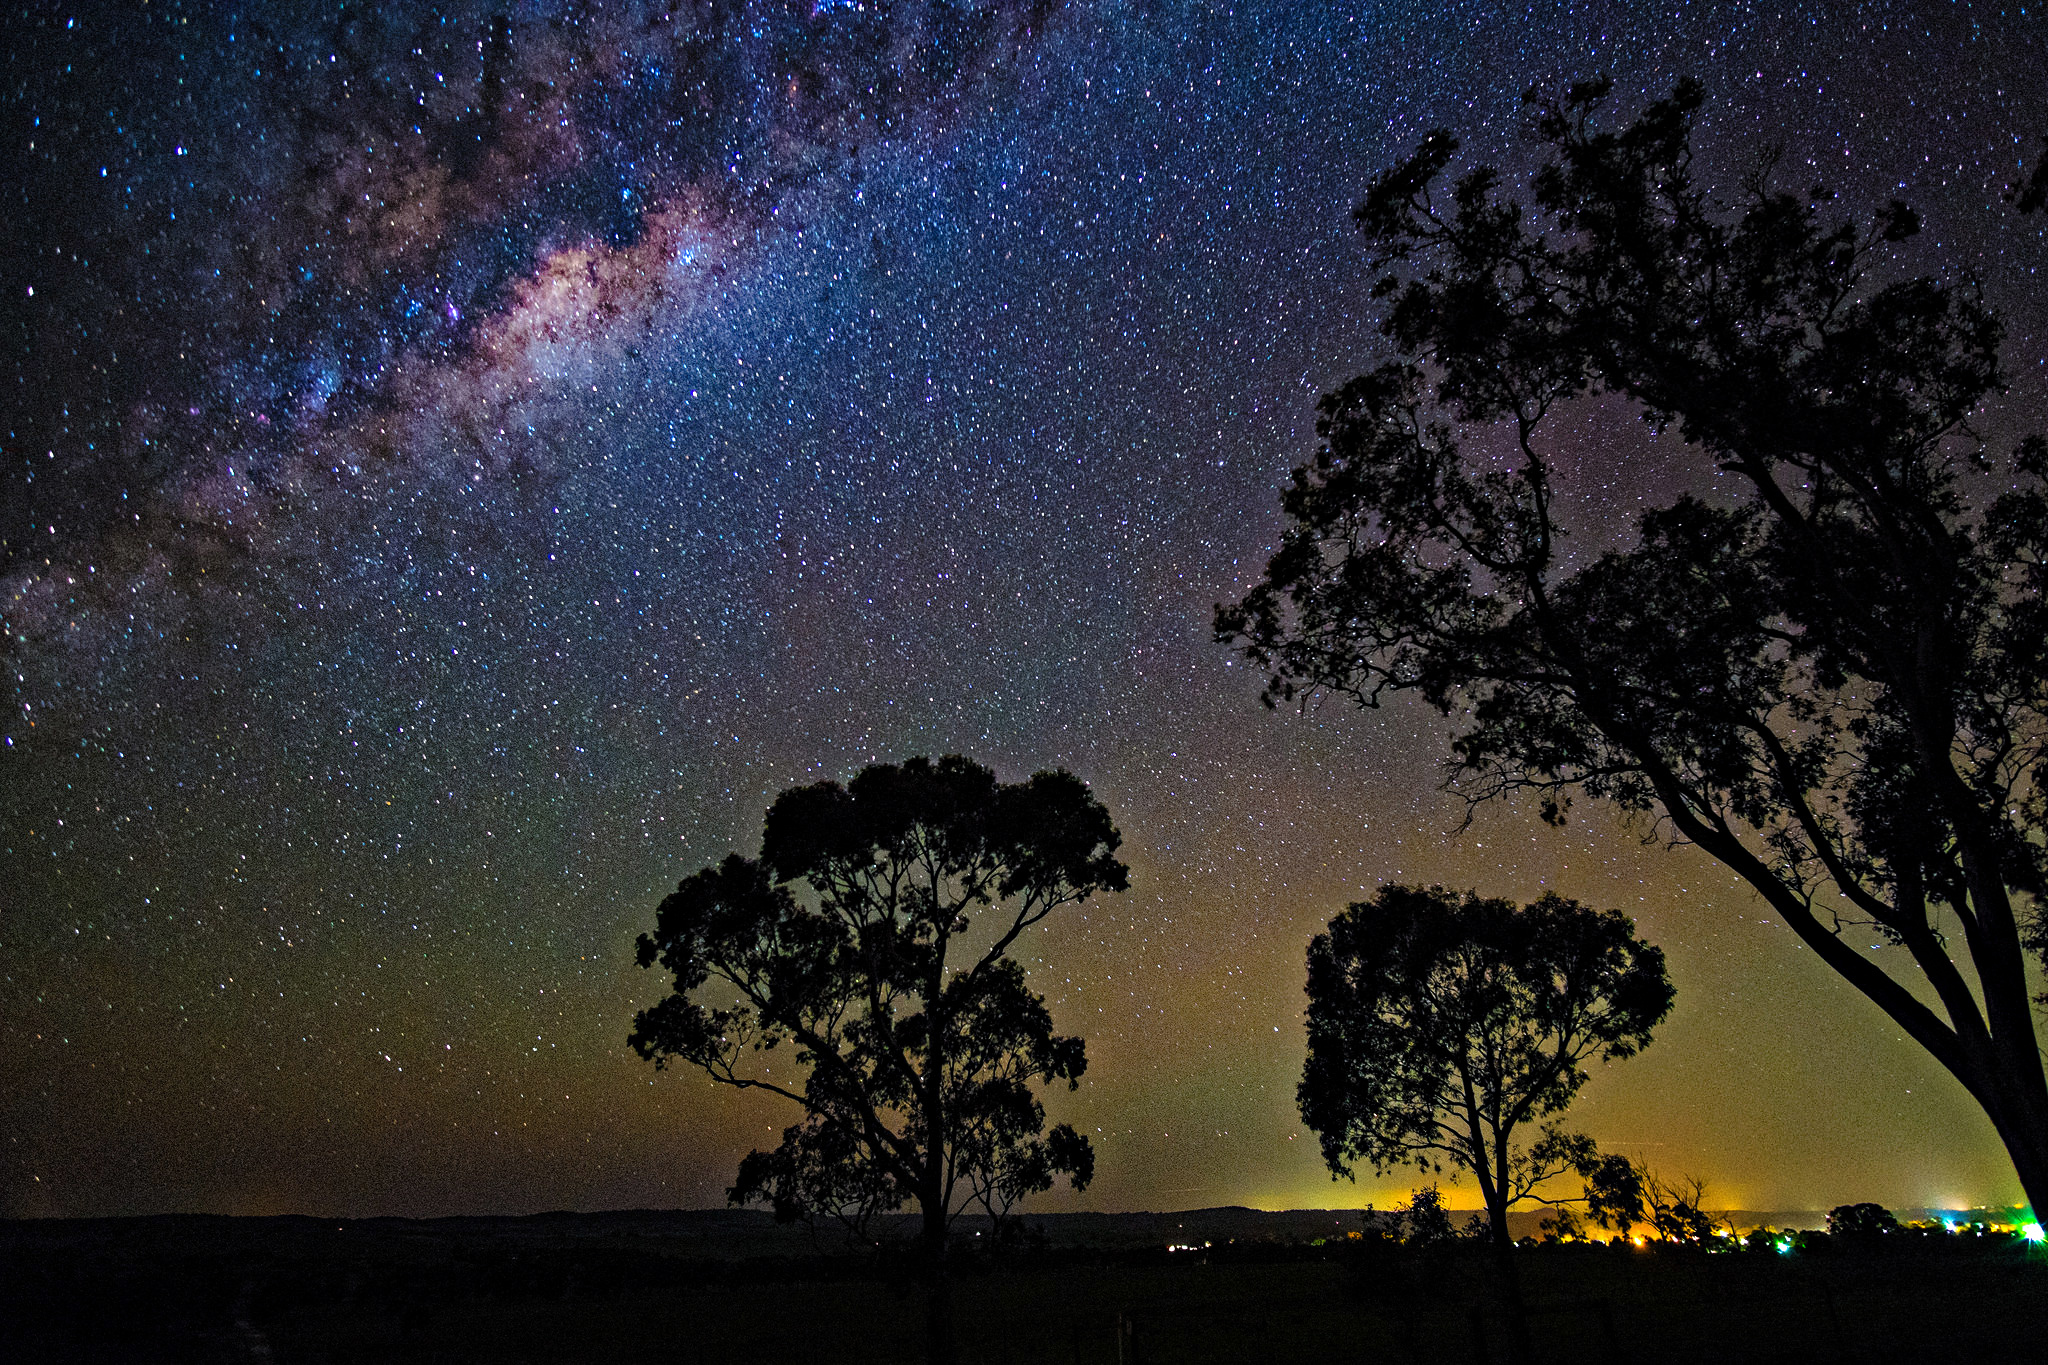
column 1440, row 1024
column 1424, row 1221
column 1828, row 669
column 1677, row 1208
column 870, row 938
column 1864, row 1223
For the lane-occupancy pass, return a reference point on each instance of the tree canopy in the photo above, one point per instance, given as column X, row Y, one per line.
column 1440, row 1023
column 1826, row 666
column 871, row 936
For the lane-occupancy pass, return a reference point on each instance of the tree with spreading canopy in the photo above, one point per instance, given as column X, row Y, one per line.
column 1440, row 1023
column 871, row 936
column 1827, row 668
column 1622, row 1193
column 1861, row 1222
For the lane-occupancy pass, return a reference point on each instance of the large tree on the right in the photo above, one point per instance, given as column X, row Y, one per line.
column 1826, row 667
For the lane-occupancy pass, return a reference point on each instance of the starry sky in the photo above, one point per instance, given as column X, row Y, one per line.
column 462, row 461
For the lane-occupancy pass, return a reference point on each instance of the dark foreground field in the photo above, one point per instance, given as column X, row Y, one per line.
column 687, row 1288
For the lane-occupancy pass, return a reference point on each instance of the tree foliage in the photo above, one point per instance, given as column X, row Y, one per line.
column 1439, row 1024
column 1622, row 1193
column 868, row 944
column 1617, row 1193
column 1831, row 674
column 1861, row 1222
column 1424, row 1221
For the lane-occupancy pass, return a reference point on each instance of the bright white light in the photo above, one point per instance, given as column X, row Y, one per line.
column 2033, row 1233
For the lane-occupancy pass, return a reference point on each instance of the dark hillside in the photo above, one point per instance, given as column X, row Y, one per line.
column 731, row 1286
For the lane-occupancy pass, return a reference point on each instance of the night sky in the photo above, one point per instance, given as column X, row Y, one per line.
column 461, row 462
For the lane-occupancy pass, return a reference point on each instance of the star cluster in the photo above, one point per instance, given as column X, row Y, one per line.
column 462, row 462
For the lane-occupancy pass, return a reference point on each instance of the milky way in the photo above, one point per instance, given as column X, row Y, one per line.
column 461, row 463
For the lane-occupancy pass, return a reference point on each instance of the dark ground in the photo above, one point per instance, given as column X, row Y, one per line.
column 683, row 1288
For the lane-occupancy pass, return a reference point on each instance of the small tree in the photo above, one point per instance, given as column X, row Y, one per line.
column 871, row 935
column 1424, row 1221
column 1677, row 1209
column 1440, row 1024
column 1861, row 1222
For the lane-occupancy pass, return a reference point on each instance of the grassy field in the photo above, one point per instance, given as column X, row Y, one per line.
column 449, row 1300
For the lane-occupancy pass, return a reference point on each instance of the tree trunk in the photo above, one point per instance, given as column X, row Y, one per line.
column 934, row 1196
column 938, row 1290
column 1508, row 1280
column 2031, row 1162
column 2017, row 1104
column 1994, row 1053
